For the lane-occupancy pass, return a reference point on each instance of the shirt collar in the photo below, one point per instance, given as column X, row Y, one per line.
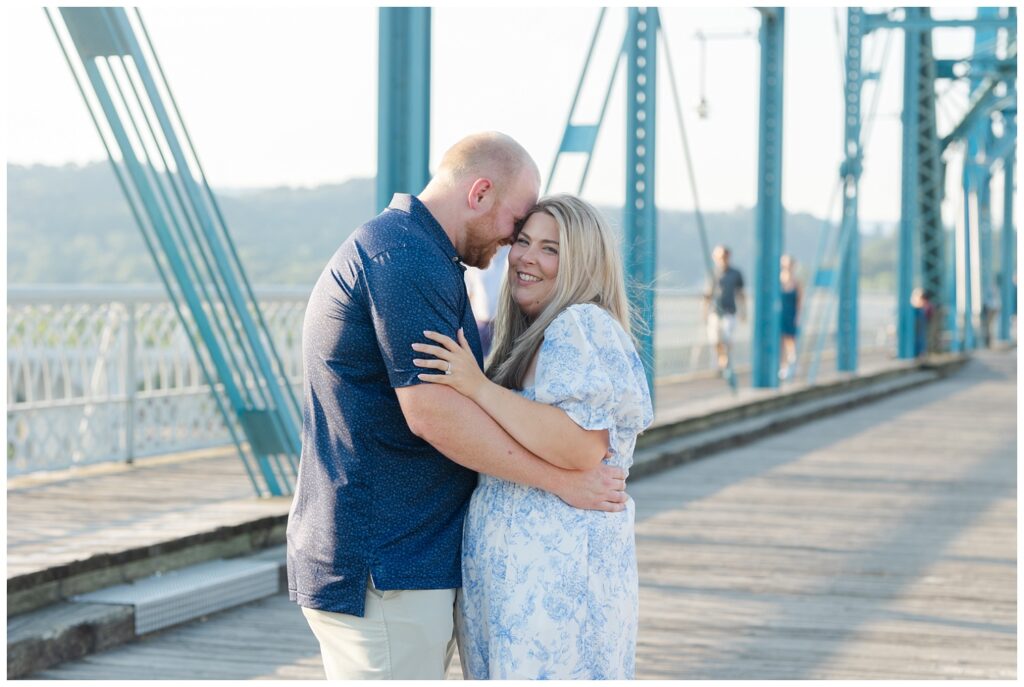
column 418, row 211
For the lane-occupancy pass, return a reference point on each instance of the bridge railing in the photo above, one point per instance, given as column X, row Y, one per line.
column 103, row 374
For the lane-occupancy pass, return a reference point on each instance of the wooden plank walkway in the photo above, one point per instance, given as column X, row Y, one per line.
column 55, row 520
column 879, row 543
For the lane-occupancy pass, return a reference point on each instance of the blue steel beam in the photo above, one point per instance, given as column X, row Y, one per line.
column 922, row 183
column 930, row 188
column 403, row 102
column 1002, row 146
column 967, row 251
column 986, row 275
column 227, row 266
column 983, row 100
column 874, row 20
column 951, row 315
column 581, row 138
column 1008, row 295
column 105, row 37
column 767, row 297
column 967, row 240
column 190, row 263
column 640, row 213
column 981, row 129
column 920, row 232
column 849, row 266
column 908, row 195
column 1009, row 243
column 944, row 69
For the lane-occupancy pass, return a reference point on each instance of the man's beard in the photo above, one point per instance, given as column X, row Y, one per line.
column 480, row 248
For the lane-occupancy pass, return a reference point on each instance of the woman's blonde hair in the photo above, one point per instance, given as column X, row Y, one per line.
column 589, row 271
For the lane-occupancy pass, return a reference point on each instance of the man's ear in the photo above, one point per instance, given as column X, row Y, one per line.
column 480, row 193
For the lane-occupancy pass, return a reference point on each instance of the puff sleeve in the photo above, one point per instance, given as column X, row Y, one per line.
column 589, row 368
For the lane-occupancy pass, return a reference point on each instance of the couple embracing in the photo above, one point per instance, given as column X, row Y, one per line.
column 438, row 503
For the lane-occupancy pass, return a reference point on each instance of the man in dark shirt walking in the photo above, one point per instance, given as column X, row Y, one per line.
column 388, row 464
column 722, row 300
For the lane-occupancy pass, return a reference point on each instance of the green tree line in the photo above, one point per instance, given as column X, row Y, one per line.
column 72, row 225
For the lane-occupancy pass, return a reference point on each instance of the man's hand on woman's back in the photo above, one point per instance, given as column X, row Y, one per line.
column 600, row 488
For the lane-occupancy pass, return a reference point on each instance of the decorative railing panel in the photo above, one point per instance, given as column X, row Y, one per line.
column 106, row 374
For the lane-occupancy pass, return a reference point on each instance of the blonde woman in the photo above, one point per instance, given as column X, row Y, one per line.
column 550, row 591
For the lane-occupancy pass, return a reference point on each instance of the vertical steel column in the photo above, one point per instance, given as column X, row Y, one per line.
column 909, row 189
column 639, row 217
column 930, row 186
column 1009, row 243
column 967, row 239
column 767, row 297
column 985, row 277
column 849, row 260
column 403, row 102
column 981, row 131
column 952, row 291
column 965, row 270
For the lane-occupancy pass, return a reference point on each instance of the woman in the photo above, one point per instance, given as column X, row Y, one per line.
column 792, row 295
column 550, row 591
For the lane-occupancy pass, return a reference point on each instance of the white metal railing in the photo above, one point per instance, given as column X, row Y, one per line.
column 102, row 374
column 99, row 374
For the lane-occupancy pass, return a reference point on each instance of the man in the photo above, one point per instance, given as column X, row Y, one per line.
column 724, row 294
column 388, row 464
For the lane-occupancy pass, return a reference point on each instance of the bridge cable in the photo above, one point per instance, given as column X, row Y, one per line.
column 701, row 228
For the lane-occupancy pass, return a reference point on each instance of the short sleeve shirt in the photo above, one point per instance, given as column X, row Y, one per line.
column 729, row 281
column 373, row 499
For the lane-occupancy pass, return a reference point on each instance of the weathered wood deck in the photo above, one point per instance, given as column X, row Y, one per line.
column 879, row 543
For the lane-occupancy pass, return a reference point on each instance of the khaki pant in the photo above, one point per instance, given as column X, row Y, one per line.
column 403, row 635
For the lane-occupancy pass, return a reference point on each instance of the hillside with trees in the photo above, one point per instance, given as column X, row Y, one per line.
column 71, row 225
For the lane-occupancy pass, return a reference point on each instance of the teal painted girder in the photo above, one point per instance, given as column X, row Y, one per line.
column 1009, row 232
column 403, row 102
column 640, row 216
column 930, row 234
column 171, row 201
column 767, row 296
column 580, row 138
column 919, row 22
column 852, row 166
column 1006, row 149
column 920, row 233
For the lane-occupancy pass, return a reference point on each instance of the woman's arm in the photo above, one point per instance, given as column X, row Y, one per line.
column 542, row 429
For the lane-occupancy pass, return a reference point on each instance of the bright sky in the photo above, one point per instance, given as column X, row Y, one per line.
column 287, row 96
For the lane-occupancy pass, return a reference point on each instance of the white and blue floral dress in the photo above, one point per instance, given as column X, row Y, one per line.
column 550, row 591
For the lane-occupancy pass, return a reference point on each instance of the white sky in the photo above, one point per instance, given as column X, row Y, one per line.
column 287, row 96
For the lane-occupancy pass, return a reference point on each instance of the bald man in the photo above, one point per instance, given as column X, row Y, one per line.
column 388, row 463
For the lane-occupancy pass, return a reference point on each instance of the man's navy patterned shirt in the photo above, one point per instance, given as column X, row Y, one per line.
column 372, row 498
